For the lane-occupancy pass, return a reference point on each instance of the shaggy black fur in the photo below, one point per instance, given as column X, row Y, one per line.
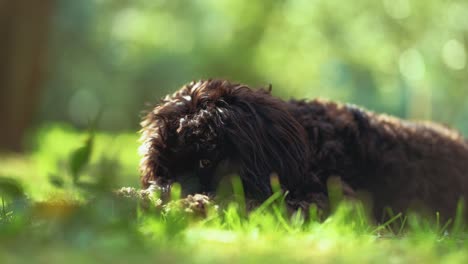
column 212, row 128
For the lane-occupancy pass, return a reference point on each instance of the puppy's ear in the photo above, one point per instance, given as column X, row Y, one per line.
column 153, row 136
column 268, row 141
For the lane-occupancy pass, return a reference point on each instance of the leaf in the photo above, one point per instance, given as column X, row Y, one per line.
column 80, row 157
column 56, row 180
column 11, row 188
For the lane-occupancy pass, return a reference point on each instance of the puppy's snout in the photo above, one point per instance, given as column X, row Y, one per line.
column 189, row 183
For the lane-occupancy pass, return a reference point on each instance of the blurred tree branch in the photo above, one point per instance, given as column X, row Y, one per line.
column 24, row 27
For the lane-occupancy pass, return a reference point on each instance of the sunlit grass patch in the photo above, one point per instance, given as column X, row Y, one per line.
column 49, row 161
column 79, row 220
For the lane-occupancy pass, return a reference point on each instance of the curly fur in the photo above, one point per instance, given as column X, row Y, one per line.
column 215, row 127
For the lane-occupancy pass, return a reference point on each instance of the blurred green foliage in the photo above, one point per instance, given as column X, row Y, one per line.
column 404, row 57
column 57, row 151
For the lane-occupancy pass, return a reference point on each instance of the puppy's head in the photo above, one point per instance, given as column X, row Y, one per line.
column 210, row 129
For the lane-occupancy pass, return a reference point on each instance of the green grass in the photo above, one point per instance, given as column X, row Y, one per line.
column 79, row 221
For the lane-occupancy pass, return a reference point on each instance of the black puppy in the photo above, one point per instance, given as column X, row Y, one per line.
column 212, row 128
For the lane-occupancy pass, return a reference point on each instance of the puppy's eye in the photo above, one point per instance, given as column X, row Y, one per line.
column 204, row 163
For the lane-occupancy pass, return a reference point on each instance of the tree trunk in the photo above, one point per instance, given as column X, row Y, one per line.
column 24, row 27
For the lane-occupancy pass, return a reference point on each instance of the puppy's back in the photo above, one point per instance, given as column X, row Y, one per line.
column 402, row 164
